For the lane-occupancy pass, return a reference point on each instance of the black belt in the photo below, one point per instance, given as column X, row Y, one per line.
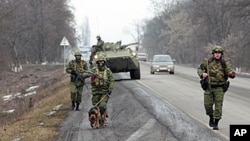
column 216, row 86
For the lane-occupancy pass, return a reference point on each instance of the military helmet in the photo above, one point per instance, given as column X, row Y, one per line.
column 217, row 49
column 98, row 37
column 78, row 53
column 100, row 58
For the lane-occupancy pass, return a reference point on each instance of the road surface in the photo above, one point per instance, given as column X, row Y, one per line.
column 159, row 107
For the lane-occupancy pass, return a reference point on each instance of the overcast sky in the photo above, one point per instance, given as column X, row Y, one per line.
column 112, row 19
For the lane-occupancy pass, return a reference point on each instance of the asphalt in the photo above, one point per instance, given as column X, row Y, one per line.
column 136, row 113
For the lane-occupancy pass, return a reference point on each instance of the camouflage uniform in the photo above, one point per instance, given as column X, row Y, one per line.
column 99, row 44
column 96, row 48
column 102, row 85
column 76, row 83
column 218, row 76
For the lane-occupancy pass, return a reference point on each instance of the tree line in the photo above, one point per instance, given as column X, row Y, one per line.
column 188, row 29
column 31, row 31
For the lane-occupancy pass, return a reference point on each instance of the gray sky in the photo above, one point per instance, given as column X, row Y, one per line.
column 112, row 19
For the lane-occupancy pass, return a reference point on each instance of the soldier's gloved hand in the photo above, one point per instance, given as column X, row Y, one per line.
column 109, row 92
column 73, row 72
column 232, row 74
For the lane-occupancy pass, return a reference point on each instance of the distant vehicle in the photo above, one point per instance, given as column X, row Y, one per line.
column 142, row 57
column 121, row 58
column 85, row 55
column 162, row 63
column 85, row 51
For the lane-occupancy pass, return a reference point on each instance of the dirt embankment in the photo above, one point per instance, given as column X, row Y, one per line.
column 26, row 97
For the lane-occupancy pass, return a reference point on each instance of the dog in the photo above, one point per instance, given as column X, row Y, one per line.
column 97, row 117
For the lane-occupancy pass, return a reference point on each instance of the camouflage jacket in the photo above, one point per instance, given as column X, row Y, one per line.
column 104, row 79
column 80, row 67
column 99, row 45
column 218, row 70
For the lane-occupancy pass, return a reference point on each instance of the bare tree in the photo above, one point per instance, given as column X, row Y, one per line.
column 188, row 28
column 85, row 34
column 31, row 31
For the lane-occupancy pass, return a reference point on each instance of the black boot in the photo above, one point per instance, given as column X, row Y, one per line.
column 77, row 106
column 216, row 122
column 73, row 105
column 211, row 121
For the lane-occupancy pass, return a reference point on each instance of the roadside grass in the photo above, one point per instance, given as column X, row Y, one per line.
column 36, row 125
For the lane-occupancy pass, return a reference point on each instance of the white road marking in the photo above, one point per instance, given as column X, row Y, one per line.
column 142, row 131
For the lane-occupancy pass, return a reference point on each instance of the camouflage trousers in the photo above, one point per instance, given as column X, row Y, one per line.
column 76, row 92
column 100, row 96
column 214, row 98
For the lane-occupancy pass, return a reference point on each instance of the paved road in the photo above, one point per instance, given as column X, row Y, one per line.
column 128, row 120
column 159, row 107
column 183, row 90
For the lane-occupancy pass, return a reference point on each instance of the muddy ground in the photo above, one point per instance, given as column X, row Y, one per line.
column 15, row 84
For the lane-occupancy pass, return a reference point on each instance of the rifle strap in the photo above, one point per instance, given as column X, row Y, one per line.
column 75, row 64
column 104, row 73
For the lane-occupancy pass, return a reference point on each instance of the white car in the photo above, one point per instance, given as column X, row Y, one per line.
column 142, row 57
column 162, row 63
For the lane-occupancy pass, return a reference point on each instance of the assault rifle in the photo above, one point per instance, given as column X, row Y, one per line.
column 96, row 75
column 78, row 76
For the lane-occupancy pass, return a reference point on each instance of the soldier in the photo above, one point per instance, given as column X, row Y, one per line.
column 216, row 70
column 95, row 48
column 99, row 43
column 102, row 83
column 77, row 68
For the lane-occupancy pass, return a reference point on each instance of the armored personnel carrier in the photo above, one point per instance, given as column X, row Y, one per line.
column 120, row 58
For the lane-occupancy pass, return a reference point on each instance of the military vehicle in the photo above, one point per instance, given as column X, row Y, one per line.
column 120, row 58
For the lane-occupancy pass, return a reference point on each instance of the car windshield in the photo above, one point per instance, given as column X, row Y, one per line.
column 163, row 58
